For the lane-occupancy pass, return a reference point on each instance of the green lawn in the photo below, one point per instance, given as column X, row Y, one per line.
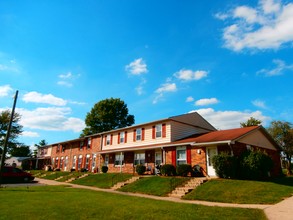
column 60, row 202
column 103, row 180
column 158, row 186
column 243, row 191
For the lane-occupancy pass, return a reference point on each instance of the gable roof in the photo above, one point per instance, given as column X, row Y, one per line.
column 224, row 136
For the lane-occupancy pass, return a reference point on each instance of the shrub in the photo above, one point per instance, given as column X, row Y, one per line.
column 168, row 170
column 183, row 169
column 140, row 169
column 225, row 165
column 255, row 165
column 105, row 169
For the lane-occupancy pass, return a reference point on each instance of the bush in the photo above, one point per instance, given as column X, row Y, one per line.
column 183, row 169
column 255, row 165
column 140, row 169
column 105, row 169
column 168, row 170
column 225, row 165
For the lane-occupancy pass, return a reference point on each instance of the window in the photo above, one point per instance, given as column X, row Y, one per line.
column 94, row 156
column 119, row 159
column 122, row 137
column 81, row 145
column 108, row 139
column 138, row 134
column 181, row 155
column 139, row 158
column 79, row 162
column 158, row 131
column 61, row 162
column 74, row 162
column 63, row 148
column 89, row 143
column 56, row 162
column 106, row 159
column 87, row 161
column 65, row 162
column 58, row 148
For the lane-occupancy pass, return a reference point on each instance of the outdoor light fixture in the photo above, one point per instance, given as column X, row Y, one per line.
column 198, row 151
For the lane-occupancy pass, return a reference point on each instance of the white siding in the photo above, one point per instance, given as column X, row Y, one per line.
column 148, row 140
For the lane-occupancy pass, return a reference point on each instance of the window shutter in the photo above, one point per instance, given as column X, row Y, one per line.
column 188, row 152
column 134, row 135
column 163, row 130
column 125, row 137
column 105, row 140
column 154, row 132
column 174, row 157
column 118, row 140
column 111, row 139
column 142, row 134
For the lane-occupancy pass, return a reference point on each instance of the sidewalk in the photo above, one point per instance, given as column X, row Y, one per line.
column 282, row 210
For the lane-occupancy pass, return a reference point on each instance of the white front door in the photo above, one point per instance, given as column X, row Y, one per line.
column 211, row 151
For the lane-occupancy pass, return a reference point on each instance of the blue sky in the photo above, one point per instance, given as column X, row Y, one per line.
column 228, row 60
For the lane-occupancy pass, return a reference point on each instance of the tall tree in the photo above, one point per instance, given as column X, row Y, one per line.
column 16, row 129
column 282, row 132
column 107, row 114
column 20, row 151
column 251, row 122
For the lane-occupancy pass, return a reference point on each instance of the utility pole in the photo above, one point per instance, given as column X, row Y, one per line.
column 7, row 137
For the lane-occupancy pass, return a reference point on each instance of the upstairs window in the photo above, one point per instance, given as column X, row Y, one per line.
column 63, row 148
column 81, row 145
column 122, row 137
column 108, row 139
column 138, row 134
column 89, row 141
column 158, row 131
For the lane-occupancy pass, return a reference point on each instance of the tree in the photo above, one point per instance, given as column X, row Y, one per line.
column 282, row 132
column 20, row 151
column 16, row 129
column 251, row 122
column 37, row 146
column 107, row 114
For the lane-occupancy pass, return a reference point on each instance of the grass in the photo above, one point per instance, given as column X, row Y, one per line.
column 60, row 202
column 243, row 191
column 158, row 186
column 103, row 180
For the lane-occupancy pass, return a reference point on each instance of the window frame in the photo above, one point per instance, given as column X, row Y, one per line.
column 139, row 158
column 180, row 161
column 158, row 131
column 122, row 137
column 119, row 161
column 138, row 134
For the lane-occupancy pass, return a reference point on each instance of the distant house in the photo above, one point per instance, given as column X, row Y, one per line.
column 182, row 139
column 15, row 160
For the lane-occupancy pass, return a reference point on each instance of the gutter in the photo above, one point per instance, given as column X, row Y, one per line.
column 212, row 143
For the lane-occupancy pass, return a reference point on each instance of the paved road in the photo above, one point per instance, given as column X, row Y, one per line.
column 34, row 183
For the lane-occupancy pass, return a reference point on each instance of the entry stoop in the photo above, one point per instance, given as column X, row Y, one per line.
column 75, row 178
column 188, row 187
column 121, row 184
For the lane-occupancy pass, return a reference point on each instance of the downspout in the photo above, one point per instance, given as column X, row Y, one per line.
column 229, row 143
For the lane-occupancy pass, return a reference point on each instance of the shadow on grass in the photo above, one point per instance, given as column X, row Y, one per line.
column 286, row 181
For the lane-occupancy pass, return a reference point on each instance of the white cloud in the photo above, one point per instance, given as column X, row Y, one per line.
column 167, row 87
column 67, row 79
column 189, row 99
column 5, row 90
column 202, row 102
column 137, row 67
column 140, row 88
column 230, row 119
column 50, row 119
column 188, row 75
column 268, row 26
column 36, row 97
column 30, row 134
column 259, row 103
column 278, row 70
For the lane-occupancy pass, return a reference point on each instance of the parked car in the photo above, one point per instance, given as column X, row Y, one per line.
column 12, row 174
